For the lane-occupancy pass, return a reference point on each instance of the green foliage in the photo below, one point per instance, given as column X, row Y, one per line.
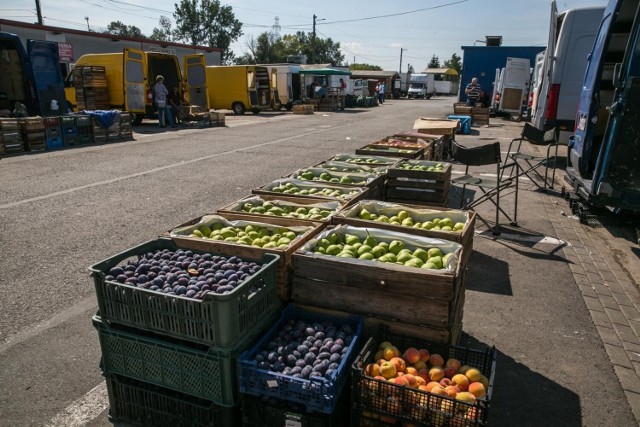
column 267, row 48
column 164, row 31
column 368, row 67
column 454, row 62
column 434, row 63
column 120, row 29
column 206, row 22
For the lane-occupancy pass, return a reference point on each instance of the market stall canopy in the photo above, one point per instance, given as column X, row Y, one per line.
column 448, row 71
column 325, row 72
column 373, row 74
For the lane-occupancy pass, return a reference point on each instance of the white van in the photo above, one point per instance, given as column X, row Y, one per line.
column 571, row 37
column 511, row 86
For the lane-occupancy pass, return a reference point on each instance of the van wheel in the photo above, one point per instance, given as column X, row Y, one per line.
column 238, row 108
column 289, row 106
column 255, row 110
column 137, row 119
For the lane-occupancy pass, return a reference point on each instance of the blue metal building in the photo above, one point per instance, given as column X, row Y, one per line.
column 482, row 61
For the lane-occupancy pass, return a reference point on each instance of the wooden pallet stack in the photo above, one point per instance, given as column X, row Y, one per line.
column 91, row 88
column 33, row 133
column 10, row 137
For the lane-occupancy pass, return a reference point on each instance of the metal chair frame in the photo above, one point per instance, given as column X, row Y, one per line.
column 491, row 188
column 527, row 164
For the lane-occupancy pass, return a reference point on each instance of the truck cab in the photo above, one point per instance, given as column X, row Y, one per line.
column 421, row 86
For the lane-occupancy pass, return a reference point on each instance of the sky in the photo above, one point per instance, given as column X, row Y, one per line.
column 374, row 31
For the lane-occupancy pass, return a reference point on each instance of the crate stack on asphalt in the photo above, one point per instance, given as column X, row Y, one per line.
column 33, row 133
column 53, row 133
column 90, row 83
column 10, row 137
column 170, row 359
column 276, row 394
column 84, row 129
column 69, row 128
column 126, row 129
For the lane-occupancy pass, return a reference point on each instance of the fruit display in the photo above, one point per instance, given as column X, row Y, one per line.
column 410, row 381
column 452, row 221
column 365, row 160
column 182, row 273
column 303, row 358
column 385, row 246
column 348, row 178
column 337, row 166
column 392, row 142
column 274, row 207
column 423, row 165
column 311, row 189
column 390, row 149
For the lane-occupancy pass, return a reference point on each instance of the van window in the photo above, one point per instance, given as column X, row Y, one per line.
column 134, row 72
column 251, row 79
column 197, row 76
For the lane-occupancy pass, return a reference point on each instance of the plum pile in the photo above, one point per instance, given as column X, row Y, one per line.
column 306, row 349
column 183, row 273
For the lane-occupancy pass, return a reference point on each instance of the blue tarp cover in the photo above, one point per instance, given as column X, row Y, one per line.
column 105, row 118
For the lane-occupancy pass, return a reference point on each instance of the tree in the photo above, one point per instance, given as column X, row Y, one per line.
column 365, row 67
column 164, row 31
column 120, row 29
column 434, row 63
column 456, row 63
column 206, row 22
column 410, row 69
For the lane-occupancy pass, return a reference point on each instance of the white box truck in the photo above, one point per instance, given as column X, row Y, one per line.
column 421, row 86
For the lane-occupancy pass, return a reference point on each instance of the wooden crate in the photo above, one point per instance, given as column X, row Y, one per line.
column 418, row 185
column 283, row 271
column 375, row 183
column 235, row 207
column 350, row 216
column 408, row 295
column 461, row 109
column 217, row 118
column 304, row 108
column 380, row 150
column 480, row 116
column 361, row 192
column 383, row 161
column 435, row 126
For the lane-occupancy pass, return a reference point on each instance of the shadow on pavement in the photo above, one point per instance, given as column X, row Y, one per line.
column 522, row 397
column 492, row 275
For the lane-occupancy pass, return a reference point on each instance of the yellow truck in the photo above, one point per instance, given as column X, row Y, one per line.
column 131, row 75
column 242, row 87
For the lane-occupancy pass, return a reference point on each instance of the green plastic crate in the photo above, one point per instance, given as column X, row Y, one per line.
column 136, row 403
column 207, row 373
column 219, row 320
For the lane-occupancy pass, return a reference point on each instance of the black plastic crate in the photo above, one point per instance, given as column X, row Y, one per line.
column 271, row 412
column 133, row 402
column 219, row 320
column 376, row 402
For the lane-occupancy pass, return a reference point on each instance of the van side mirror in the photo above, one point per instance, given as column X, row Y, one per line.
column 617, row 81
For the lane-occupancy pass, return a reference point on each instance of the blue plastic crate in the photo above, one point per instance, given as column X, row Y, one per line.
column 54, row 143
column 465, row 123
column 319, row 394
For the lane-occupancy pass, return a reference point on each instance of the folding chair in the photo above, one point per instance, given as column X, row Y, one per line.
column 526, row 163
column 491, row 187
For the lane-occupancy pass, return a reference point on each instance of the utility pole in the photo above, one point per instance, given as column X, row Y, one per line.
column 39, row 12
column 87, row 18
column 313, row 41
column 401, row 50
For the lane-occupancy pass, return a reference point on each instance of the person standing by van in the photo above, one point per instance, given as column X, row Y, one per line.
column 473, row 92
column 381, row 91
column 164, row 110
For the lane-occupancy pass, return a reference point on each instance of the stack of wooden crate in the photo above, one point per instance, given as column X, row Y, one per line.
column 33, row 133
column 10, row 137
column 91, row 88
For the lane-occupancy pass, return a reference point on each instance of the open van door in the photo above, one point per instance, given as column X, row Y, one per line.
column 515, row 85
column 134, row 82
column 547, row 69
column 47, row 77
column 196, row 80
column 276, row 104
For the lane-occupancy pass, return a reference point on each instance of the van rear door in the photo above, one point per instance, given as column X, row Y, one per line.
column 196, row 80
column 547, row 69
column 47, row 76
column 616, row 178
column 515, row 85
column 134, row 80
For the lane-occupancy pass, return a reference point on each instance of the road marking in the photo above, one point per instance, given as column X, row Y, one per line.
column 524, row 238
column 83, row 410
column 161, row 168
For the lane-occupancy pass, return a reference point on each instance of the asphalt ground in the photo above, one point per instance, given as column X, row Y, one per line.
column 63, row 211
